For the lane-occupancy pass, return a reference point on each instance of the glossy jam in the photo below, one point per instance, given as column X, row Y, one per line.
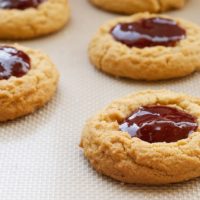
column 19, row 4
column 13, row 63
column 149, row 32
column 159, row 124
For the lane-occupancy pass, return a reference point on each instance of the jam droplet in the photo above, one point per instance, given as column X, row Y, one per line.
column 19, row 4
column 159, row 124
column 149, row 32
column 13, row 62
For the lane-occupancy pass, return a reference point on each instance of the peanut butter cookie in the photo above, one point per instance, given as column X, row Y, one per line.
column 28, row 80
column 147, row 47
column 150, row 137
column 32, row 18
column 134, row 6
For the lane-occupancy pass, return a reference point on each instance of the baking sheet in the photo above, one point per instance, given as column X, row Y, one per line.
column 39, row 154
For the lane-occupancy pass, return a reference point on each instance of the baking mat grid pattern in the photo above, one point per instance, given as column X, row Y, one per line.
column 39, row 154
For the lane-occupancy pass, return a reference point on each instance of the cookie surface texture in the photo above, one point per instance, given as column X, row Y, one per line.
column 23, row 95
column 149, row 63
column 134, row 6
column 50, row 16
column 131, row 160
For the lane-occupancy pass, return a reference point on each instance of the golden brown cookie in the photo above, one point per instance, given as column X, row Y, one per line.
column 132, row 158
column 28, row 80
column 151, row 62
column 23, row 19
column 134, row 6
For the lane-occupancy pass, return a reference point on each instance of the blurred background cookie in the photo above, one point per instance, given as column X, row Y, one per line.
column 25, row 19
column 134, row 6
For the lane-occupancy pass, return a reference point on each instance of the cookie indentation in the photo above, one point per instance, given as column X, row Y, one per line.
column 20, row 4
column 13, row 62
column 159, row 124
column 149, row 32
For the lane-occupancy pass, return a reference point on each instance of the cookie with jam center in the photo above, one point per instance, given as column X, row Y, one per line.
column 24, row 19
column 134, row 6
column 150, row 137
column 28, row 80
column 147, row 47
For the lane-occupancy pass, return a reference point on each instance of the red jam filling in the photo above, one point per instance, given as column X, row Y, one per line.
column 149, row 32
column 13, row 62
column 20, row 4
column 159, row 124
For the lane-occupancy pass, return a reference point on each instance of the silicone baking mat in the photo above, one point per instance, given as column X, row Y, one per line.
column 39, row 154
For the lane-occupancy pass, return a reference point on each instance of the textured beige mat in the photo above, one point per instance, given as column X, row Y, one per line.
column 39, row 155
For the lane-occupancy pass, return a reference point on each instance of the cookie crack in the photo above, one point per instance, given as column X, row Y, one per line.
column 159, row 172
column 160, row 5
column 103, row 56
